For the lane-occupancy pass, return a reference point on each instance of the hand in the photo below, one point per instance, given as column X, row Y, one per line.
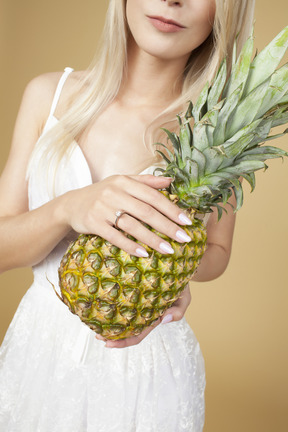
column 91, row 210
column 174, row 313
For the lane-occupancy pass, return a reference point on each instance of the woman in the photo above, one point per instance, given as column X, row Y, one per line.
column 74, row 171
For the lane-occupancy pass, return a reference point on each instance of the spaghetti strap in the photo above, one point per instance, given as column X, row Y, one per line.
column 61, row 82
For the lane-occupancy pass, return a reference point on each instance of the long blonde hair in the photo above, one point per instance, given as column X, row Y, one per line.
column 105, row 73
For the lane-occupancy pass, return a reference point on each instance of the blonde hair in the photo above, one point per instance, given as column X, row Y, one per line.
column 94, row 91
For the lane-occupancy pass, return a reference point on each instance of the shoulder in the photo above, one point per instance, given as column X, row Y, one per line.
column 40, row 90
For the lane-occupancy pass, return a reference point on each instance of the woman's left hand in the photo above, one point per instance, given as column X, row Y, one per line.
column 174, row 313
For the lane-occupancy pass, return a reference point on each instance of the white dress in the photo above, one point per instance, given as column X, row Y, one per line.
column 55, row 376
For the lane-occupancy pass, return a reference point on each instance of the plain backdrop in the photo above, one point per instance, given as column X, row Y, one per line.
column 241, row 319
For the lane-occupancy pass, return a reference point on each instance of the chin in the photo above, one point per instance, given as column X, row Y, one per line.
column 165, row 53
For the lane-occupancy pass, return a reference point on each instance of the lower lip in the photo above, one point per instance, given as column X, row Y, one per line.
column 164, row 26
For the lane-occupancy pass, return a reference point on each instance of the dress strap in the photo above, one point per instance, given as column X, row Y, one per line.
column 61, row 82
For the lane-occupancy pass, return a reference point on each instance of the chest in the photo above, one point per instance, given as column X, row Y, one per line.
column 114, row 143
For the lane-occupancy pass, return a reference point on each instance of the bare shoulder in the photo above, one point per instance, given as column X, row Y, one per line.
column 40, row 90
column 33, row 112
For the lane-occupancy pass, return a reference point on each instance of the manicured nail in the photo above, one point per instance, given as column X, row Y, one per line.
column 182, row 236
column 165, row 247
column 142, row 253
column 168, row 318
column 183, row 218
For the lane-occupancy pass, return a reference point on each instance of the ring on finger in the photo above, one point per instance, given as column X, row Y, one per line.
column 118, row 215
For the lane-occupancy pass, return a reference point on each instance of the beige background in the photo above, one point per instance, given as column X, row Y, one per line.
column 241, row 319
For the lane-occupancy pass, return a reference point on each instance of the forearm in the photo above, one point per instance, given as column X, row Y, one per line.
column 28, row 238
column 213, row 263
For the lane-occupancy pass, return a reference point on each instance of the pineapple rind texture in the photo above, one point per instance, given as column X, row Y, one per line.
column 116, row 294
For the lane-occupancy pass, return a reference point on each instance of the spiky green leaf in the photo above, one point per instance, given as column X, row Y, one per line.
column 277, row 88
column 238, row 191
column 213, row 160
column 241, row 69
column 200, row 159
column 267, row 61
column 230, row 104
column 217, row 86
column 251, row 179
column 186, row 140
column 201, row 101
column 246, row 110
column 245, row 167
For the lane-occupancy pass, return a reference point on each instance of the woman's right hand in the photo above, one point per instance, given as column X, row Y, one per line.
column 91, row 210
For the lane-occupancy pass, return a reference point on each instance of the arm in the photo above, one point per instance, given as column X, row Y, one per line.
column 21, row 230
column 219, row 244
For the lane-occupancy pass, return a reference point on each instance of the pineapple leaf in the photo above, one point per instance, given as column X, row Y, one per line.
column 209, row 120
column 240, row 70
column 238, row 191
column 284, row 99
column 189, row 112
column 180, row 174
column 163, row 156
column 201, row 101
column 245, row 167
column 233, row 149
column 200, row 137
column 251, row 179
column 213, row 160
column 229, row 105
column 200, row 159
column 251, row 129
column 278, row 87
column 170, row 154
column 174, row 140
column 266, row 150
column 245, row 111
column 272, row 137
column 219, row 210
column 186, row 140
column 225, row 196
column 217, row 86
column 193, row 170
column 267, row 61
column 280, row 118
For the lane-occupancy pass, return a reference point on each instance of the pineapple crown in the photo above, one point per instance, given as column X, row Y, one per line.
column 232, row 118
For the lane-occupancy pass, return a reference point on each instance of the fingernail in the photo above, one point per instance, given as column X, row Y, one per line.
column 142, row 253
column 183, row 218
column 181, row 235
column 168, row 318
column 165, row 247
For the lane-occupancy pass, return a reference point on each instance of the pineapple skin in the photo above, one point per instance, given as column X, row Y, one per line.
column 118, row 295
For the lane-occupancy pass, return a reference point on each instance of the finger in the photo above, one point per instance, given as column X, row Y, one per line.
column 116, row 238
column 155, row 199
column 99, row 337
column 135, row 228
column 177, row 311
column 133, row 340
column 156, row 182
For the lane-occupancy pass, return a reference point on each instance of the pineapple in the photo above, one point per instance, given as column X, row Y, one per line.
column 118, row 295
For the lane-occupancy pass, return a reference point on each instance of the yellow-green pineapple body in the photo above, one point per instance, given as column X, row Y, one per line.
column 116, row 294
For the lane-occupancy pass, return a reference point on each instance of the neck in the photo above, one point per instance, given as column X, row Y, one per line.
column 151, row 81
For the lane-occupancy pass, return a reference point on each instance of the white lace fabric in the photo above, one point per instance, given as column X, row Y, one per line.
column 55, row 376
